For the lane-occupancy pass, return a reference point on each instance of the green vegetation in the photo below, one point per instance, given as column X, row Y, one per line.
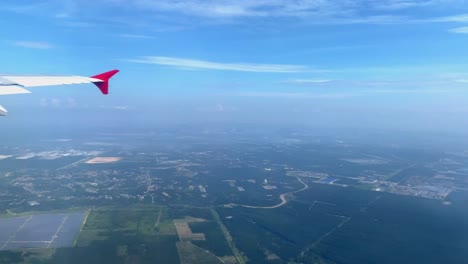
column 399, row 229
column 239, row 257
column 137, row 234
column 180, row 212
column 215, row 241
column 132, row 204
column 11, row 257
column 122, row 249
column 104, row 223
column 121, row 235
column 31, row 256
column 191, row 254
column 283, row 231
column 327, row 224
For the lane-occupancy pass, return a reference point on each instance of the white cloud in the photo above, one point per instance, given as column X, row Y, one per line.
column 459, row 30
column 309, row 11
column 33, row 44
column 219, row 107
column 222, row 8
column 298, row 95
column 77, row 24
column 135, row 36
column 23, row 8
column 449, row 84
column 121, row 107
column 402, row 4
column 115, row 107
column 277, row 8
column 359, row 92
column 183, row 63
column 63, row 15
column 461, row 18
column 309, row 81
column 179, row 14
column 59, row 102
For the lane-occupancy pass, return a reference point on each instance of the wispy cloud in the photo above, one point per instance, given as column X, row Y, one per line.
column 285, row 8
column 403, row 4
column 298, row 95
column 308, row 81
column 219, row 107
column 358, row 92
column 179, row 14
column 25, row 8
column 183, row 63
column 460, row 18
column 308, row 11
column 59, row 102
column 135, row 36
column 77, row 24
column 33, row 44
column 115, row 107
column 459, row 30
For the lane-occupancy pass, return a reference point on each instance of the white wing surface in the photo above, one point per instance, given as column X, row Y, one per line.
column 34, row 81
column 15, row 84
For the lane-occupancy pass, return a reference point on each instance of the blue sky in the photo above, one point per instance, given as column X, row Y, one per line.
column 242, row 59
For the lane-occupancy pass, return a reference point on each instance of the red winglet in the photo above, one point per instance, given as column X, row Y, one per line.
column 104, row 77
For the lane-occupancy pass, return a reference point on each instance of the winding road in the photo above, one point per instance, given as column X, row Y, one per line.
column 282, row 198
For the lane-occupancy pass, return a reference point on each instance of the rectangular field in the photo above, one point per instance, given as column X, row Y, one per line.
column 99, row 160
column 40, row 231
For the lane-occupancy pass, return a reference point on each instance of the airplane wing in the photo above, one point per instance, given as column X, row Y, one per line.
column 16, row 84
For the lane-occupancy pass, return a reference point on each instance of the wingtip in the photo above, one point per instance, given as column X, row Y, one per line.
column 105, row 76
column 3, row 111
column 103, row 85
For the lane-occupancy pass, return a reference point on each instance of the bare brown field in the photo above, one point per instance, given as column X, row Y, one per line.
column 98, row 160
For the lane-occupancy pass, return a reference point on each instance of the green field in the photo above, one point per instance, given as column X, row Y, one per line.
column 215, row 241
column 324, row 224
column 104, row 223
column 191, row 254
column 123, row 235
column 328, row 224
column 280, row 234
column 138, row 234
